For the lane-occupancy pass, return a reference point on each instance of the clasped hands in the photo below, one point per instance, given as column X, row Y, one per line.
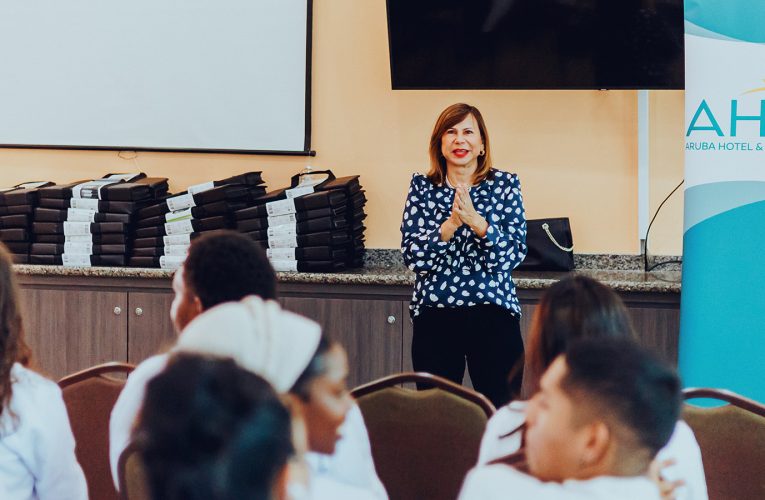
column 463, row 212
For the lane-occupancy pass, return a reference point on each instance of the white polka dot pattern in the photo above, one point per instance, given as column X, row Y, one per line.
column 466, row 270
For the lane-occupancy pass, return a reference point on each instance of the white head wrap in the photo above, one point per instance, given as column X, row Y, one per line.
column 258, row 335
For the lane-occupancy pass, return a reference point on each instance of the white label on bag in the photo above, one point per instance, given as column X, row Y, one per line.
column 178, row 215
column 92, row 189
column 285, row 230
column 79, row 248
column 199, row 188
column 280, row 207
column 176, row 250
column 177, row 239
column 180, row 227
column 84, row 203
column 171, row 261
column 78, row 238
column 80, row 215
column 284, row 265
column 298, row 191
column 80, row 260
column 181, row 202
column 76, row 228
column 280, row 253
column 279, row 220
column 286, row 241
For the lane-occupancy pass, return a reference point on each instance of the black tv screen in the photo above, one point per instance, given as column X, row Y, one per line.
column 536, row 44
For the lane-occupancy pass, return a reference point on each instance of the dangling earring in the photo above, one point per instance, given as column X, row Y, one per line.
column 483, row 152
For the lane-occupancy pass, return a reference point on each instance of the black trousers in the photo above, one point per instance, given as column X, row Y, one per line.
column 487, row 336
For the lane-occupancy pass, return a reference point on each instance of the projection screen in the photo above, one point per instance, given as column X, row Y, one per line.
column 199, row 75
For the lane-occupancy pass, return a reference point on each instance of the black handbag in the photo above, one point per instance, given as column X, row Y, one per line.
column 551, row 247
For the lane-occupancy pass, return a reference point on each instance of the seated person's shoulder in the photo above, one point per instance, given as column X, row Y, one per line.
column 495, row 481
column 28, row 383
column 148, row 368
column 33, row 398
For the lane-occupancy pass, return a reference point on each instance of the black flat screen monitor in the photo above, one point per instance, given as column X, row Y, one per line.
column 536, row 44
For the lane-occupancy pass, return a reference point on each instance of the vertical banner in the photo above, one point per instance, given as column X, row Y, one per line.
column 722, row 317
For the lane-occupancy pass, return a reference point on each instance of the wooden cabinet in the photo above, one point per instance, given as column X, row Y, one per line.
column 149, row 326
column 73, row 323
column 655, row 317
column 69, row 330
column 369, row 321
column 370, row 331
column 76, row 322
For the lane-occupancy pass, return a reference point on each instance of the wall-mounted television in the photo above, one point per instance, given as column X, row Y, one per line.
column 536, row 44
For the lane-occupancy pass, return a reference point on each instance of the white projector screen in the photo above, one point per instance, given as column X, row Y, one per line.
column 189, row 75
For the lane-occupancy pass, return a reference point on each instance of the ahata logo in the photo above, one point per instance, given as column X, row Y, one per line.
column 709, row 117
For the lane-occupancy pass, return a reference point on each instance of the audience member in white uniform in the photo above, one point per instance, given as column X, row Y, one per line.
column 290, row 352
column 602, row 411
column 37, row 459
column 223, row 267
column 575, row 308
column 210, row 429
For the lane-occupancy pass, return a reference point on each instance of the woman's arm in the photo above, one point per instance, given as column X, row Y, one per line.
column 504, row 244
column 422, row 236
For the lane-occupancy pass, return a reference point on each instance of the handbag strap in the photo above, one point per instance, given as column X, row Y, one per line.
column 295, row 179
column 546, row 227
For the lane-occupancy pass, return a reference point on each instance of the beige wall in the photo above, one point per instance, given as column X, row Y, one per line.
column 575, row 151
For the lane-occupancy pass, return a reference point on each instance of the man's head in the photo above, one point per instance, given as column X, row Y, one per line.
column 605, row 407
column 221, row 266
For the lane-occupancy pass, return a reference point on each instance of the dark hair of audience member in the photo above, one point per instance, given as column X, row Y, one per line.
column 618, row 379
column 13, row 348
column 317, row 367
column 225, row 266
column 576, row 307
column 212, row 430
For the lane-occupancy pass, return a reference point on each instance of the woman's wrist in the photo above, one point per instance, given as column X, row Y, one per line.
column 448, row 229
column 480, row 227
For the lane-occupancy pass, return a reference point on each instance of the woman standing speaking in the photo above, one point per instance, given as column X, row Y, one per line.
column 463, row 232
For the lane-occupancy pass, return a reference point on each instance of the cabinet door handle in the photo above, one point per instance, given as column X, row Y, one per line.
column 391, row 319
column 117, row 310
column 138, row 311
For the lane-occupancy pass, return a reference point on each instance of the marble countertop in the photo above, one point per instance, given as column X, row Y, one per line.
column 626, row 280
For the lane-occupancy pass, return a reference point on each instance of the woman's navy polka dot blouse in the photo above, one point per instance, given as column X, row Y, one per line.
column 466, row 270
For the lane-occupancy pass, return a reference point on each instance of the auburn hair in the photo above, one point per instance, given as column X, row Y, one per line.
column 576, row 307
column 13, row 349
column 450, row 117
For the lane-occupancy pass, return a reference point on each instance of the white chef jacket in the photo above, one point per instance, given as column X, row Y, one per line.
column 37, row 460
column 682, row 447
column 489, row 482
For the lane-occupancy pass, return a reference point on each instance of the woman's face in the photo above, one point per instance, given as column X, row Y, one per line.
column 462, row 144
column 329, row 401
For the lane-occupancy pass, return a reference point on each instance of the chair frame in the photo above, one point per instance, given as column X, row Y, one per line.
column 95, row 371
column 429, row 379
column 131, row 448
column 727, row 396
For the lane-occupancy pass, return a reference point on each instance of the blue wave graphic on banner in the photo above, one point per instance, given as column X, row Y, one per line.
column 737, row 19
column 722, row 340
column 707, row 200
